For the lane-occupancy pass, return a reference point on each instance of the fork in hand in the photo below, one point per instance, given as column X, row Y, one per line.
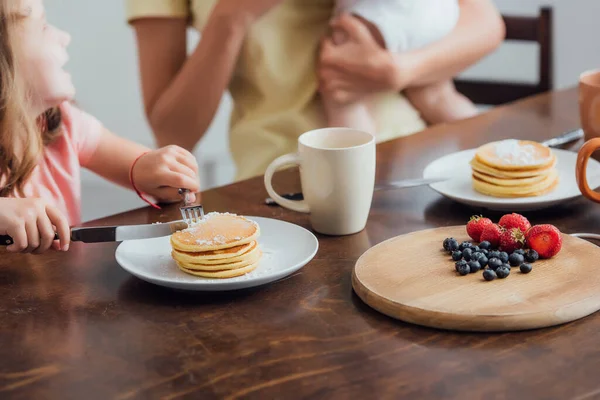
column 190, row 214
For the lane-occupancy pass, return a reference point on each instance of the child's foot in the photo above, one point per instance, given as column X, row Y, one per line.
column 355, row 116
column 441, row 103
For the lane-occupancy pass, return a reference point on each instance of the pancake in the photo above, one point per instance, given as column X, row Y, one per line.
column 514, row 168
column 533, row 190
column 216, row 231
column 236, row 262
column 515, row 155
column 218, row 246
column 476, row 165
column 523, row 182
column 224, row 274
column 237, row 253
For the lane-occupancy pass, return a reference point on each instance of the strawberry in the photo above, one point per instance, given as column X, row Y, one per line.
column 492, row 233
column 545, row 239
column 476, row 225
column 514, row 220
column 511, row 240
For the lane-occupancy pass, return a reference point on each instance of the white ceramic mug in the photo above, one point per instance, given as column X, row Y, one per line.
column 337, row 172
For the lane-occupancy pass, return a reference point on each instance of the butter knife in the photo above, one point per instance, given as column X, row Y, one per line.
column 401, row 184
column 564, row 138
column 99, row 234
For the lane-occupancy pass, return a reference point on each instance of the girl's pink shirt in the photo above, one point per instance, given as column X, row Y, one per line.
column 57, row 178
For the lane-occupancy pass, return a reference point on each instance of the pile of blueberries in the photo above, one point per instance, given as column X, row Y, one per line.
column 470, row 259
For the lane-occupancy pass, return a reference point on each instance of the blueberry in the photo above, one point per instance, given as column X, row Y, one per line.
column 503, row 272
column 476, row 249
column 476, row 256
column 457, row 255
column 452, row 245
column 494, row 263
column 463, row 269
column 445, row 243
column 516, row 259
column 489, row 275
column 519, row 251
column 494, row 254
column 485, row 245
column 474, row 266
column 467, row 253
column 507, row 266
column 526, row 268
column 532, row 256
column 465, row 245
column 483, row 260
column 484, row 252
column 503, row 256
column 458, row 265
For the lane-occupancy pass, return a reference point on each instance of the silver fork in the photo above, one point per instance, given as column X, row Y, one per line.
column 190, row 214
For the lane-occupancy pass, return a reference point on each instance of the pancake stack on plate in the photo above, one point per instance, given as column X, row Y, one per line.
column 218, row 246
column 514, row 168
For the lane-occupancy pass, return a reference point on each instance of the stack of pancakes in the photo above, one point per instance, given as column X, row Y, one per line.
column 218, row 246
column 514, row 168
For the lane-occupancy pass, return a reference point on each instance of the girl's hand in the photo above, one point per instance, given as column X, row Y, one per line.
column 32, row 224
column 160, row 173
column 356, row 66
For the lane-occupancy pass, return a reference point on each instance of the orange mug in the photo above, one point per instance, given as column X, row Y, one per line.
column 581, row 170
column 589, row 103
column 589, row 111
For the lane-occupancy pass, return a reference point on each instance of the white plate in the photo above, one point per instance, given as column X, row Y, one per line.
column 460, row 189
column 286, row 248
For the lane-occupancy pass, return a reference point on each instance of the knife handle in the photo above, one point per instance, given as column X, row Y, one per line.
column 290, row 196
column 6, row 240
column 565, row 138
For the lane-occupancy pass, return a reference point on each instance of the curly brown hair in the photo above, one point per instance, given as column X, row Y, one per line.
column 22, row 139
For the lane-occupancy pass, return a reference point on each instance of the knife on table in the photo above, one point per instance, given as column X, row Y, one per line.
column 100, row 234
column 401, row 184
column 557, row 141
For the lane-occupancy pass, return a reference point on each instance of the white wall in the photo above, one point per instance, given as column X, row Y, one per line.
column 575, row 43
column 104, row 68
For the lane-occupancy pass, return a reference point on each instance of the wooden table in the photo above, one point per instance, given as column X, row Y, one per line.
column 76, row 326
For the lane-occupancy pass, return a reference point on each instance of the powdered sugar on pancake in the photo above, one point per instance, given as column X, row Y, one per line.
column 211, row 215
column 513, row 152
column 207, row 217
column 214, row 236
column 218, row 239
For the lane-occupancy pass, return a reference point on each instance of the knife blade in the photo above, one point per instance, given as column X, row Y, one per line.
column 407, row 183
column 564, row 138
column 119, row 233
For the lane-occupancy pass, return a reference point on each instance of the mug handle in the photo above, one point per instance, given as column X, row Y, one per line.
column 287, row 160
column 581, row 171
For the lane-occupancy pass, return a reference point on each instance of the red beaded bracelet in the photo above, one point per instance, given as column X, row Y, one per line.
column 140, row 194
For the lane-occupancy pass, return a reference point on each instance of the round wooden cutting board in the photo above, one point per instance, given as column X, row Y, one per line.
column 413, row 279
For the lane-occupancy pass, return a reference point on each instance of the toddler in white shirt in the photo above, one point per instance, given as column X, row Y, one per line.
column 405, row 25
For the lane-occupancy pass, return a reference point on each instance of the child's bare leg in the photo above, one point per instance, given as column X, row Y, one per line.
column 440, row 102
column 355, row 115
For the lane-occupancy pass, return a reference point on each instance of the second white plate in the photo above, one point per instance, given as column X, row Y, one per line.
column 460, row 188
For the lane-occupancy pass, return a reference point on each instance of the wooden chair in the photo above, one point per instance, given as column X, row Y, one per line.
column 530, row 29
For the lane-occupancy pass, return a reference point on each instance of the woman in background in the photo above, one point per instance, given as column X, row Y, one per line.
column 267, row 54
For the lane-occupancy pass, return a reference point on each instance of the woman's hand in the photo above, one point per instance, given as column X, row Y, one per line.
column 32, row 224
column 356, row 66
column 160, row 173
